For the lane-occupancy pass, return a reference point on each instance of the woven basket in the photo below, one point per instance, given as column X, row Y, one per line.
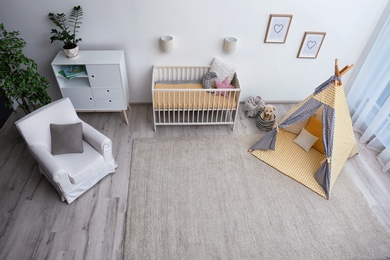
column 263, row 125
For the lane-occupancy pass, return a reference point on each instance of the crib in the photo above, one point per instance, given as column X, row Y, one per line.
column 179, row 98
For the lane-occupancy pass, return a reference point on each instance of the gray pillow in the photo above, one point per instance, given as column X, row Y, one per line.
column 66, row 138
column 207, row 79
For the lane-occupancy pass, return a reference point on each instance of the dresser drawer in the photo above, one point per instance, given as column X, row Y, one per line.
column 110, row 104
column 107, row 93
column 82, row 98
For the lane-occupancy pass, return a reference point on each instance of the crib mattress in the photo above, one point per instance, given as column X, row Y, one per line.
column 293, row 161
column 197, row 99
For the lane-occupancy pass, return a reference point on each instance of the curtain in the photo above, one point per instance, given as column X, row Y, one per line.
column 369, row 97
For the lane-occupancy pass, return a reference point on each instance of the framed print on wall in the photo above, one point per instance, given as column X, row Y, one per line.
column 278, row 26
column 311, row 45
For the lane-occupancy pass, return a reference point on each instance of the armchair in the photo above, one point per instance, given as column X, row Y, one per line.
column 70, row 173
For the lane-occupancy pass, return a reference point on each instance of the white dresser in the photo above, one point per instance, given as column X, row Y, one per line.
column 99, row 83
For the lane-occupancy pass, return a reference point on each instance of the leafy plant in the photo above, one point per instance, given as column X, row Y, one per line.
column 67, row 27
column 19, row 78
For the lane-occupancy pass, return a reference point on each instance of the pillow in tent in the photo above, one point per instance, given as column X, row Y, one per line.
column 66, row 138
column 305, row 140
column 222, row 70
column 314, row 126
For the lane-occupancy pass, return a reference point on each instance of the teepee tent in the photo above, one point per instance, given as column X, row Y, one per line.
column 316, row 169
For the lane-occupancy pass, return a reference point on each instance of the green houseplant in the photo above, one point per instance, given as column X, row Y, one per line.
column 19, row 79
column 67, row 30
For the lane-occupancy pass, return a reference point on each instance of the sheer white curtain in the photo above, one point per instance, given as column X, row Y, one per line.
column 369, row 98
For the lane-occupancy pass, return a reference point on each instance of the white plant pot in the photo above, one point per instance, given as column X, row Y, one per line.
column 71, row 53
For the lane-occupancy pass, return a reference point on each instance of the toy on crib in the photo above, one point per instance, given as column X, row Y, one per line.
column 223, row 85
column 268, row 113
column 253, row 106
column 206, row 82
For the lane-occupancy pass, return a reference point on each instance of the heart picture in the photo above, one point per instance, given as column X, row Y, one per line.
column 311, row 44
column 278, row 28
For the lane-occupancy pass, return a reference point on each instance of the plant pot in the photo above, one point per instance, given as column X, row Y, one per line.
column 71, row 53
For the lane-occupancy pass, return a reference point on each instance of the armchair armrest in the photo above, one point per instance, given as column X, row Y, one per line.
column 50, row 167
column 97, row 140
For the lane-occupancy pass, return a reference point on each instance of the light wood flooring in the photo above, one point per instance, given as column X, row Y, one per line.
column 35, row 224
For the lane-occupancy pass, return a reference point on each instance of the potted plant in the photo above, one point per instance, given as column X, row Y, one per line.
column 67, row 30
column 19, row 79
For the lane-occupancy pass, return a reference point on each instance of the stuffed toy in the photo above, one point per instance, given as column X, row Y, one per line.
column 268, row 113
column 253, row 106
column 207, row 79
column 223, row 85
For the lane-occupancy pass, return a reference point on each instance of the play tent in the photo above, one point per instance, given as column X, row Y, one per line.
column 319, row 168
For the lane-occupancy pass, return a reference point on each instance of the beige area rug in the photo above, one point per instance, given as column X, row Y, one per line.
column 208, row 198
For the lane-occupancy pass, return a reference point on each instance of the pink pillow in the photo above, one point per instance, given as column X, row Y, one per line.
column 223, row 85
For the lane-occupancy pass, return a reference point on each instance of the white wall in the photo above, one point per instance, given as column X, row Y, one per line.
column 199, row 27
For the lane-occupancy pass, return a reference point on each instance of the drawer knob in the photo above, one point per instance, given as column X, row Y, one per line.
column 90, row 98
column 109, row 100
column 92, row 76
column 108, row 90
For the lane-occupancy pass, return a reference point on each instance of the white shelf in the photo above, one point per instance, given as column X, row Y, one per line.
column 78, row 82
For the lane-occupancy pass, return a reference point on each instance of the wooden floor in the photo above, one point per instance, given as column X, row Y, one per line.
column 35, row 224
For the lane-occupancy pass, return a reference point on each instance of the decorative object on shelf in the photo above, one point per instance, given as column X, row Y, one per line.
column 166, row 43
column 67, row 30
column 278, row 26
column 73, row 71
column 19, row 79
column 311, row 44
column 229, row 45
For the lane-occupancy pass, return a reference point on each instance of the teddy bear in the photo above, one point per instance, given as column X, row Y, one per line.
column 268, row 113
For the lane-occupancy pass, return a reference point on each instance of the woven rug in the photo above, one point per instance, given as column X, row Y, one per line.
column 208, row 198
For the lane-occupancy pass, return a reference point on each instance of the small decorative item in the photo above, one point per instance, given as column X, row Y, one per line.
column 229, row 44
column 253, row 106
column 311, row 44
column 266, row 120
column 166, row 43
column 278, row 26
column 67, row 30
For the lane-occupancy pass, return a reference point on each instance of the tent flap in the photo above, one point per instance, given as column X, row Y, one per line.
column 267, row 142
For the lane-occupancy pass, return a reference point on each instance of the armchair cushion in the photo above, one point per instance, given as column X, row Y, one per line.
column 66, row 138
column 78, row 166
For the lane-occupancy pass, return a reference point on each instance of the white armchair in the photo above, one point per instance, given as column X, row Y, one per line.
column 70, row 173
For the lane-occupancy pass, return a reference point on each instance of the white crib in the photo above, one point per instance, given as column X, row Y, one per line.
column 179, row 98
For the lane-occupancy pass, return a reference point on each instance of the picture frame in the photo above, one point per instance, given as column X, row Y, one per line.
column 311, row 45
column 278, row 27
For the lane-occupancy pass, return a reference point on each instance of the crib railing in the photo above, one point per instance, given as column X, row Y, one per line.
column 170, row 73
column 192, row 106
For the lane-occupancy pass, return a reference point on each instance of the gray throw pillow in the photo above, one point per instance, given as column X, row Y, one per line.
column 207, row 79
column 66, row 138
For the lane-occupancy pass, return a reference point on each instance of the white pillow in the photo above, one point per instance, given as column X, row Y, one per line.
column 305, row 140
column 222, row 70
